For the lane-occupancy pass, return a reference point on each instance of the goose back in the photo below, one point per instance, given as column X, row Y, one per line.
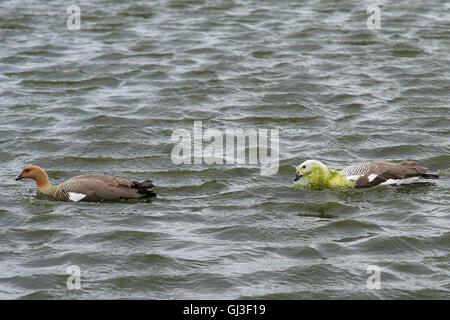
column 100, row 187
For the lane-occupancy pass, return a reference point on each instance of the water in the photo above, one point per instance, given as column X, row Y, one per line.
column 106, row 99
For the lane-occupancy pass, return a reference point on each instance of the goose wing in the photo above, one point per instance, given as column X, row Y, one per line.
column 372, row 173
column 98, row 187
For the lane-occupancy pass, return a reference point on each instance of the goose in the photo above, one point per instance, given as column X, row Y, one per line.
column 361, row 175
column 89, row 187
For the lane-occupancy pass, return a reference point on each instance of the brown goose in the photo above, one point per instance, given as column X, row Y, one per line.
column 89, row 187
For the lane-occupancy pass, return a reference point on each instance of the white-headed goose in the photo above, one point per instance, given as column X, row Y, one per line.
column 362, row 175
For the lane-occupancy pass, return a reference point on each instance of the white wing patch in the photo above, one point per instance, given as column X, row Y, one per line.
column 372, row 177
column 400, row 181
column 353, row 178
column 75, row 197
column 389, row 182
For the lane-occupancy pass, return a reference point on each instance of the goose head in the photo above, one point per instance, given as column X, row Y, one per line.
column 310, row 166
column 37, row 174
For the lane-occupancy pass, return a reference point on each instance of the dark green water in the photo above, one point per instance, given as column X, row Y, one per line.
column 106, row 99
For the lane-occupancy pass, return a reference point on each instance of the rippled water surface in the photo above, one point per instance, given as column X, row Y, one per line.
column 106, row 99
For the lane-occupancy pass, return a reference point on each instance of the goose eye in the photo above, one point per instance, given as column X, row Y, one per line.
column 304, row 167
column 26, row 170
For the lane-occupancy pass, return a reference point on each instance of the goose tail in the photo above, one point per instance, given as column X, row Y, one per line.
column 145, row 188
column 429, row 176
